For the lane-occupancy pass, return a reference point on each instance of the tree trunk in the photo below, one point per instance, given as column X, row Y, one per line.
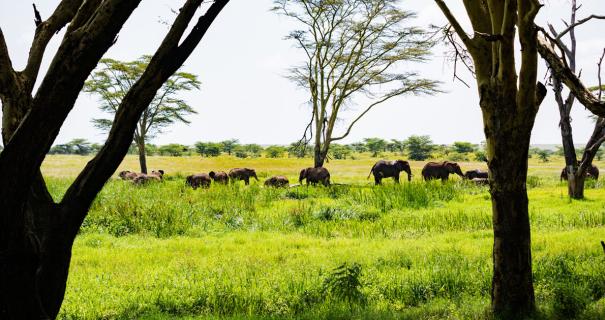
column 319, row 158
column 575, row 183
column 508, row 134
column 33, row 278
column 142, row 156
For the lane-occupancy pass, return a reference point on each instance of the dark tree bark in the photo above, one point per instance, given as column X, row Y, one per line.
column 36, row 233
column 142, row 153
column 509, row 104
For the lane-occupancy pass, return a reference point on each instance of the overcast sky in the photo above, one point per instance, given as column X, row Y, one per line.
column 243, row 59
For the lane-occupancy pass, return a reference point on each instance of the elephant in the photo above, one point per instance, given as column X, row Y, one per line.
column 153, row 176
column 277, row 182
column 242, row 174
column 198, row 180
column 591, row 172
column 315, row 175
column 436, row 170
column 472, row 174
column 387, row 169
column 128, row 175
column 219, row 177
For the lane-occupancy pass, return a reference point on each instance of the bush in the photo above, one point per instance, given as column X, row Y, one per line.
column 208, row 149
column 419, row 147
column 275, row 151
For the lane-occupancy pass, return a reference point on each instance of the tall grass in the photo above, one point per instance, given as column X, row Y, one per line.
column 350, row 251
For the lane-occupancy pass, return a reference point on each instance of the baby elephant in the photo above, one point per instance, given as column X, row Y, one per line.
column 387, row 169
column 219, row 177
column 315, row 175
column 199, row 180
column 242, row 174
column 128, row 175
column 277, row 182
column 472, row 174
column 145, row 178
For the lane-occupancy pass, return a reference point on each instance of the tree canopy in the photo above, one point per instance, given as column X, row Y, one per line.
column 113, row 79
column 355, row 53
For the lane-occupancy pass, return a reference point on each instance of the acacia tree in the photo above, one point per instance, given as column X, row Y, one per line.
column 37, row 233
column 509, row 102
column 576, row 170
column 114, row 78
column 354, row 49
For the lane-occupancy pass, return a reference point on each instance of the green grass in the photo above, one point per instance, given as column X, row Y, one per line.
column 164, row 251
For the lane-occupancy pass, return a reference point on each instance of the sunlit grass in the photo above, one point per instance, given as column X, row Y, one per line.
column 165, row 251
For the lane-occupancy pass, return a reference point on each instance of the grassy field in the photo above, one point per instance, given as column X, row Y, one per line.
column 353, row 251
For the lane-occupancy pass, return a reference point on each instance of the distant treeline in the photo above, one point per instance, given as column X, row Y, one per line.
column 412, row 148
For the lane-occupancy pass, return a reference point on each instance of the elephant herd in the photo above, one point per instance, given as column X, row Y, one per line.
column 381, row 169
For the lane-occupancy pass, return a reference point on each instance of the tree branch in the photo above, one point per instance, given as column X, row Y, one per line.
column 62, row 15
column 76, row 57
column 577, row 23
column 456, row 25
column 6, row 66
column 167, row 59
column 572, row 82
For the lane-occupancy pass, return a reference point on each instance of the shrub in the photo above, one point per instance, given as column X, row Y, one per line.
column 344, row 284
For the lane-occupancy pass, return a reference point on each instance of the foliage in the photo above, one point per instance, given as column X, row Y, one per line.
column 229, row 145
column 113, row 79
column 340, row 152
column 396, row 146
column 208, row 149
column 480, row 155
column 359, row 147
column 173, row 150
column 419, row 147
column 463, row 147
column 240, row 252
column 254, row 150
column 275, row 151
column 544, row 154
column 375, row 145
column 299, row 150
column 75, row 146
column 353, row 49
column 344, row 283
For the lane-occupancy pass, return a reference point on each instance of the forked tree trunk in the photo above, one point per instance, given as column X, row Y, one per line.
column 37, row 234
column 34, row 282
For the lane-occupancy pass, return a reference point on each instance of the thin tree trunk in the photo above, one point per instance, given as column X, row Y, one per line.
column 142, row 155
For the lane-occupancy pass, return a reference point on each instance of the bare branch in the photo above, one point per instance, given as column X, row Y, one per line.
column 577, row 23
column 37, row 17
column 6, row 66
column 456, row 25
column 546, row 50
column 600, row 88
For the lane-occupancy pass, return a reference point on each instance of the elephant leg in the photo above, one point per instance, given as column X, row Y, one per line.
column 377, row 179
column 246, row 181
column 396, row 178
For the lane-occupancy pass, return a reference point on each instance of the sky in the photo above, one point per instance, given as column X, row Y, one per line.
column 243, row 59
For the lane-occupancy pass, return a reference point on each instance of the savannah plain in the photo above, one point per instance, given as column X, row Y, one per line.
column 350, row 251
